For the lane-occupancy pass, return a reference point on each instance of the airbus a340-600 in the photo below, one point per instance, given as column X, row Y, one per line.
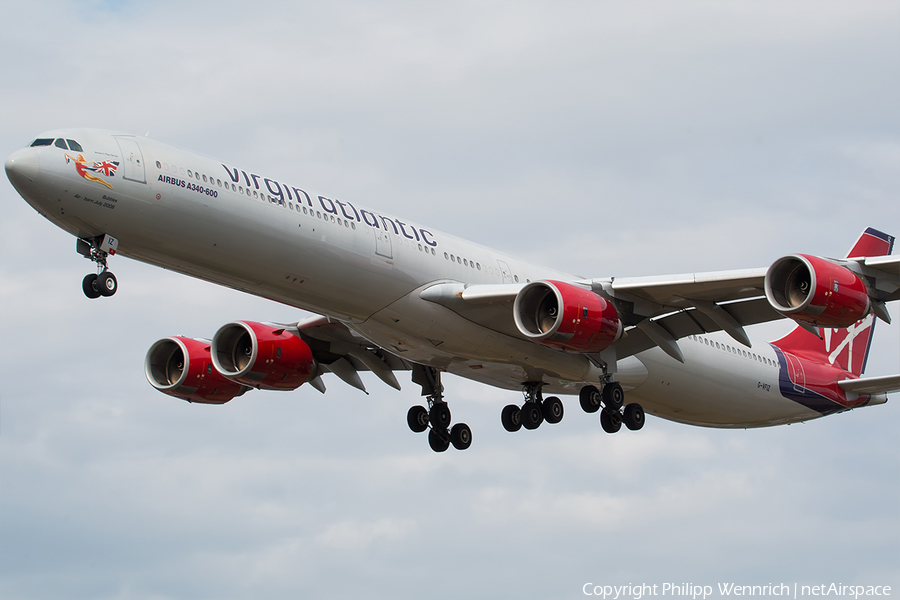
column 392, row 295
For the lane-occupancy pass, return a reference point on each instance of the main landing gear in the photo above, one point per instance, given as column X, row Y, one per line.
column 611, row 400
column 98, row 249
column 437, row 415
column 534, row 411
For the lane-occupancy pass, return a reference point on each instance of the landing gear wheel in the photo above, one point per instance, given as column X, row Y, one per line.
column 461, row 436
column 633, row 417
column 89, row 285
column 511, row 417
column 440, row 415
column 438, row 442
column 532, row 417
column 417, row 419
column 552, row 409
column 107, row 284
column 613, row 395
column 610, row 422
column 590, row 399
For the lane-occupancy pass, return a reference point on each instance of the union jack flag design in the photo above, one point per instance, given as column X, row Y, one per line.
column 107, row 167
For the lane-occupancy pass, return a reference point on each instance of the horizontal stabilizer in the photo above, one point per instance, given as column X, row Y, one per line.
column 872, row 385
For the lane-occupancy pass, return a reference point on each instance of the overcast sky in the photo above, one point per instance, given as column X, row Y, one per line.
column 622, row 139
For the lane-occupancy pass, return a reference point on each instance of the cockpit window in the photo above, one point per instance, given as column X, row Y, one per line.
column 42, row 142
column 61, row 143
column 73, row 145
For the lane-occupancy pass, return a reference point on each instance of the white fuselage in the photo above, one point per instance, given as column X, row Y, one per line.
column 281, row 241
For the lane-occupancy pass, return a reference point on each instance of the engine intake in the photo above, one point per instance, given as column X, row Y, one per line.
column 262, row 356
column 181, row 367
column 566, row 317
column 817, row 291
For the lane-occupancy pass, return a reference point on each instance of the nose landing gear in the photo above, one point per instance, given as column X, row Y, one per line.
column 98, row 249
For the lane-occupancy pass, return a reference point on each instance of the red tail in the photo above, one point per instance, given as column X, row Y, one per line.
column 847, row 348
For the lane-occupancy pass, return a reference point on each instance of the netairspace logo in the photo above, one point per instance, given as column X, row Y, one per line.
column 702, row 592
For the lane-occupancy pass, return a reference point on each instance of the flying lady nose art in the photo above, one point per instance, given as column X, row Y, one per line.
column 86, row 169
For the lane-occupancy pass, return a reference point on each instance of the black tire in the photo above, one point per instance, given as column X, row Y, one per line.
column 461, row 436
column 438, row 442
column 610, row 422
column 552, row 409
column 613, row 395
column 417, row 419
column 107, row 284
column 634, row 416
column 511, row 417
column 440, row 415
column 89, row 286
column 590, row 397
column 532, row 417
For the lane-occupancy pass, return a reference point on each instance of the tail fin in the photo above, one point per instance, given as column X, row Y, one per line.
column 847, row 349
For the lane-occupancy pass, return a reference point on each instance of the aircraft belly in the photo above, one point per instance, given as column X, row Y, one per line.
column 714, row 389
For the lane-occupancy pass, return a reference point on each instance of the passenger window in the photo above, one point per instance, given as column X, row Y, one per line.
column 41, row 142
column 158, row 165
column 61, row 143
column 219, row 181
column 446, row 256
column 191, row 175
column 73, row 145
column 204, row 179
column 516, row 277
column 465, row 262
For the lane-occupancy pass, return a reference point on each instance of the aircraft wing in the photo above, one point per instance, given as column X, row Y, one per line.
column 339, row 350
column 656, row 311
column 872, row 385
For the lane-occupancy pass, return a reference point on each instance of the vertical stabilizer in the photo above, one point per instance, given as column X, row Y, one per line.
column 847, row 349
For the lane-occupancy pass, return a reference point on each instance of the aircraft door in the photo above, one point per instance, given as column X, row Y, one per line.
column 504, row 270
column 132, row 160
column 383, row 243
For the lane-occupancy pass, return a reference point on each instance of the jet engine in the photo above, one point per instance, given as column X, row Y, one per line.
column 816, row 291
column 262, row 356
column 182, row 367
column 566, row 317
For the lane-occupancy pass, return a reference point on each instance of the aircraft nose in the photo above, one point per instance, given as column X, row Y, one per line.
column 22, row 165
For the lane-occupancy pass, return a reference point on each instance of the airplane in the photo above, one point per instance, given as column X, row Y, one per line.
column 390, row 295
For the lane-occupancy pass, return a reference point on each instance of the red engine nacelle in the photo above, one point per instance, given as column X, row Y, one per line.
column 817, row 291
column 182, row 367
column 566, row 317
column 262, row 356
